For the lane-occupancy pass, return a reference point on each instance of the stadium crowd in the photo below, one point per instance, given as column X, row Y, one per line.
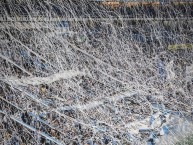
column 118, row 58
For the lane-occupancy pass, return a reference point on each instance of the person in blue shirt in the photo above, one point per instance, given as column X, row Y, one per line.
column 161, row 69
column 151, row 140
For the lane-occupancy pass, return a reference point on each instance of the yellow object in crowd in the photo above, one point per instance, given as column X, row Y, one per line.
column 43, row 89
column 135, row 3
column 180, row 46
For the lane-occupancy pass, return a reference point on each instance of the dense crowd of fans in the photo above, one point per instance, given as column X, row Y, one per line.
column 96, row 9
column 129, row 76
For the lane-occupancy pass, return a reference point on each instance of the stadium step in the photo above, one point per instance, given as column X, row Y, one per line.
column 39, row 132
